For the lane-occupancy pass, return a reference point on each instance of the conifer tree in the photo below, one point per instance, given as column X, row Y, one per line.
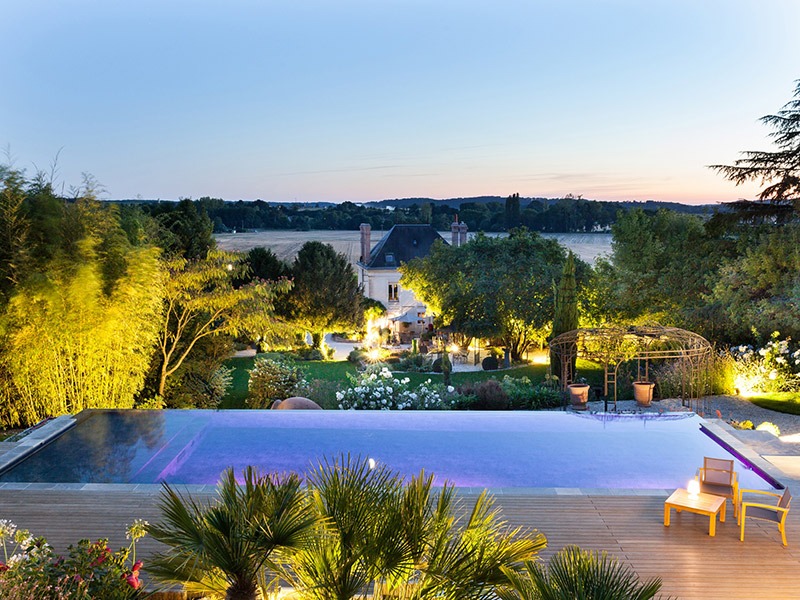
column 565, row 317
column 778, row 170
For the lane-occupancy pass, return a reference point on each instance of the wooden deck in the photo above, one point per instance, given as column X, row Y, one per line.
column 691, row 564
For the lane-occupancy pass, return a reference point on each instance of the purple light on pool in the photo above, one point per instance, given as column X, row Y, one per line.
column 468, row 449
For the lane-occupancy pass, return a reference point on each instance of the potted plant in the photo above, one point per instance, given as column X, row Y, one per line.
column 643, row 392
column 578, row 394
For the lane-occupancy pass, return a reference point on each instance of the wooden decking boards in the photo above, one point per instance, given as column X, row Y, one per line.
column 692, row 564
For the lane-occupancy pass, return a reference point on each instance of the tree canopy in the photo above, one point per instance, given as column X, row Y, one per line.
column 491, row 287
column 326, row 296
column 201, row 301
column 777, row 170
column 661, row 267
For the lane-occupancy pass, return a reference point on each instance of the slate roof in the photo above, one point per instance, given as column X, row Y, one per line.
column 402, row 243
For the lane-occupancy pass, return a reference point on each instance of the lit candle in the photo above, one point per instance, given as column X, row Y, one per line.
column 693, row 487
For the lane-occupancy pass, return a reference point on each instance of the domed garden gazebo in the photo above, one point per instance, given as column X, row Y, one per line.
column 612, row 345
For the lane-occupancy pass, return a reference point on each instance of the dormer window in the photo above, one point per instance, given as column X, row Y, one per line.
column 389, row 258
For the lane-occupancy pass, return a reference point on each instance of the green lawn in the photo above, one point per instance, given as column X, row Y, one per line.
column 337, row 371
column 783, row 402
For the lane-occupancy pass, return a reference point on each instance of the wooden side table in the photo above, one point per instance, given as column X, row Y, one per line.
column 703, row 504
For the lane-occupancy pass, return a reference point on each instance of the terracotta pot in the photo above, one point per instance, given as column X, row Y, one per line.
column 643, row 392
column 578, row 395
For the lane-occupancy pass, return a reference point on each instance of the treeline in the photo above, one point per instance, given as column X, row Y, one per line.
column 563, row 215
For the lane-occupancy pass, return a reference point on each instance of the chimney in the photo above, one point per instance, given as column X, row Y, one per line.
column 454, row 232
column 366, row 241
column 462, row 233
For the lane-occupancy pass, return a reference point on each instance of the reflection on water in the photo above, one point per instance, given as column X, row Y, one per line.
column 104, row 447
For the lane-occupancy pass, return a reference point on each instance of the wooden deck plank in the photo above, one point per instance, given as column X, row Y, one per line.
column 690, row 562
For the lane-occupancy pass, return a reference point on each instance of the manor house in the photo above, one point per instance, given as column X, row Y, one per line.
column 379, row 275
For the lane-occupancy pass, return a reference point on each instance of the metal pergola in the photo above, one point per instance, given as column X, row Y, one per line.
column 612, row 345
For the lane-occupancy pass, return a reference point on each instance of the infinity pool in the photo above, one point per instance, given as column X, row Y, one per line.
column 468, row 449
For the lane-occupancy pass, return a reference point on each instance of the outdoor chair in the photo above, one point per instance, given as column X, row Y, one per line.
column 717, row 477
column 766, row 512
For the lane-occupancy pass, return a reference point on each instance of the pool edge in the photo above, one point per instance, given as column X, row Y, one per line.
column 717, row 429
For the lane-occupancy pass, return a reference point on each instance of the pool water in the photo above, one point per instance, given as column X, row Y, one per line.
column 468, row 449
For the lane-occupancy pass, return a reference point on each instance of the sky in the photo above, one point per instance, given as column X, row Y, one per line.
column 370, row 99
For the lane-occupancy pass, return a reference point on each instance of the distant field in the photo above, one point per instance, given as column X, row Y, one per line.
column 285, row 244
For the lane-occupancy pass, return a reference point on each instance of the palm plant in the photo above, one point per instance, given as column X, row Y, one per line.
column 405, row 542
column 228, row 547
column 359, row 507
column 470, row 561
column 576, row 574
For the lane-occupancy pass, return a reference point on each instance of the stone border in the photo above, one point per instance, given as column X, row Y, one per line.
column 33, row 439
column 725, row 432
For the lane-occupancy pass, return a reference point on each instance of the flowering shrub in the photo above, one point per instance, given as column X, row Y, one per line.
column 378, row 389
column 89, row 570
column 773, row 368
column 272, row 379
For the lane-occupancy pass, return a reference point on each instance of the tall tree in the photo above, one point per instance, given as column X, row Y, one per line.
column 778, row 170
column 326, row 295
column 201, row 301
column 264, row 264
column 426, row 212
column 491, row 287
column 512, row 212
column 653, row 258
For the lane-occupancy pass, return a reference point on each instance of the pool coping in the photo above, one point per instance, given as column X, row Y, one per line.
column 41, row 435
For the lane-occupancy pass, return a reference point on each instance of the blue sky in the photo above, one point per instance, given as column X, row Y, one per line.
column 372, row 99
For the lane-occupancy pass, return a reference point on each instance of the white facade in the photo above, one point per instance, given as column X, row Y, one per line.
column 406, row 315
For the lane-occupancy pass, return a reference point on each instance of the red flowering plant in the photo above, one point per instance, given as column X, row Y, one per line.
column 89, row 570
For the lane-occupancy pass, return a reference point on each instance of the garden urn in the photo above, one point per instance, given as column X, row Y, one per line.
column 578, row 395
column 643, row 392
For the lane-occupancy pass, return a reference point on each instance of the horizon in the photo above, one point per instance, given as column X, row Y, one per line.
column 422, row 198
column 613, row 101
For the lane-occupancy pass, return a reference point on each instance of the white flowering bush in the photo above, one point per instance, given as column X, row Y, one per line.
column 773, row 368
column 378, row 389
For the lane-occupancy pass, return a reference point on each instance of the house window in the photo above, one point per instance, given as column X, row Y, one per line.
column 389, row 258
column 394, row 288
